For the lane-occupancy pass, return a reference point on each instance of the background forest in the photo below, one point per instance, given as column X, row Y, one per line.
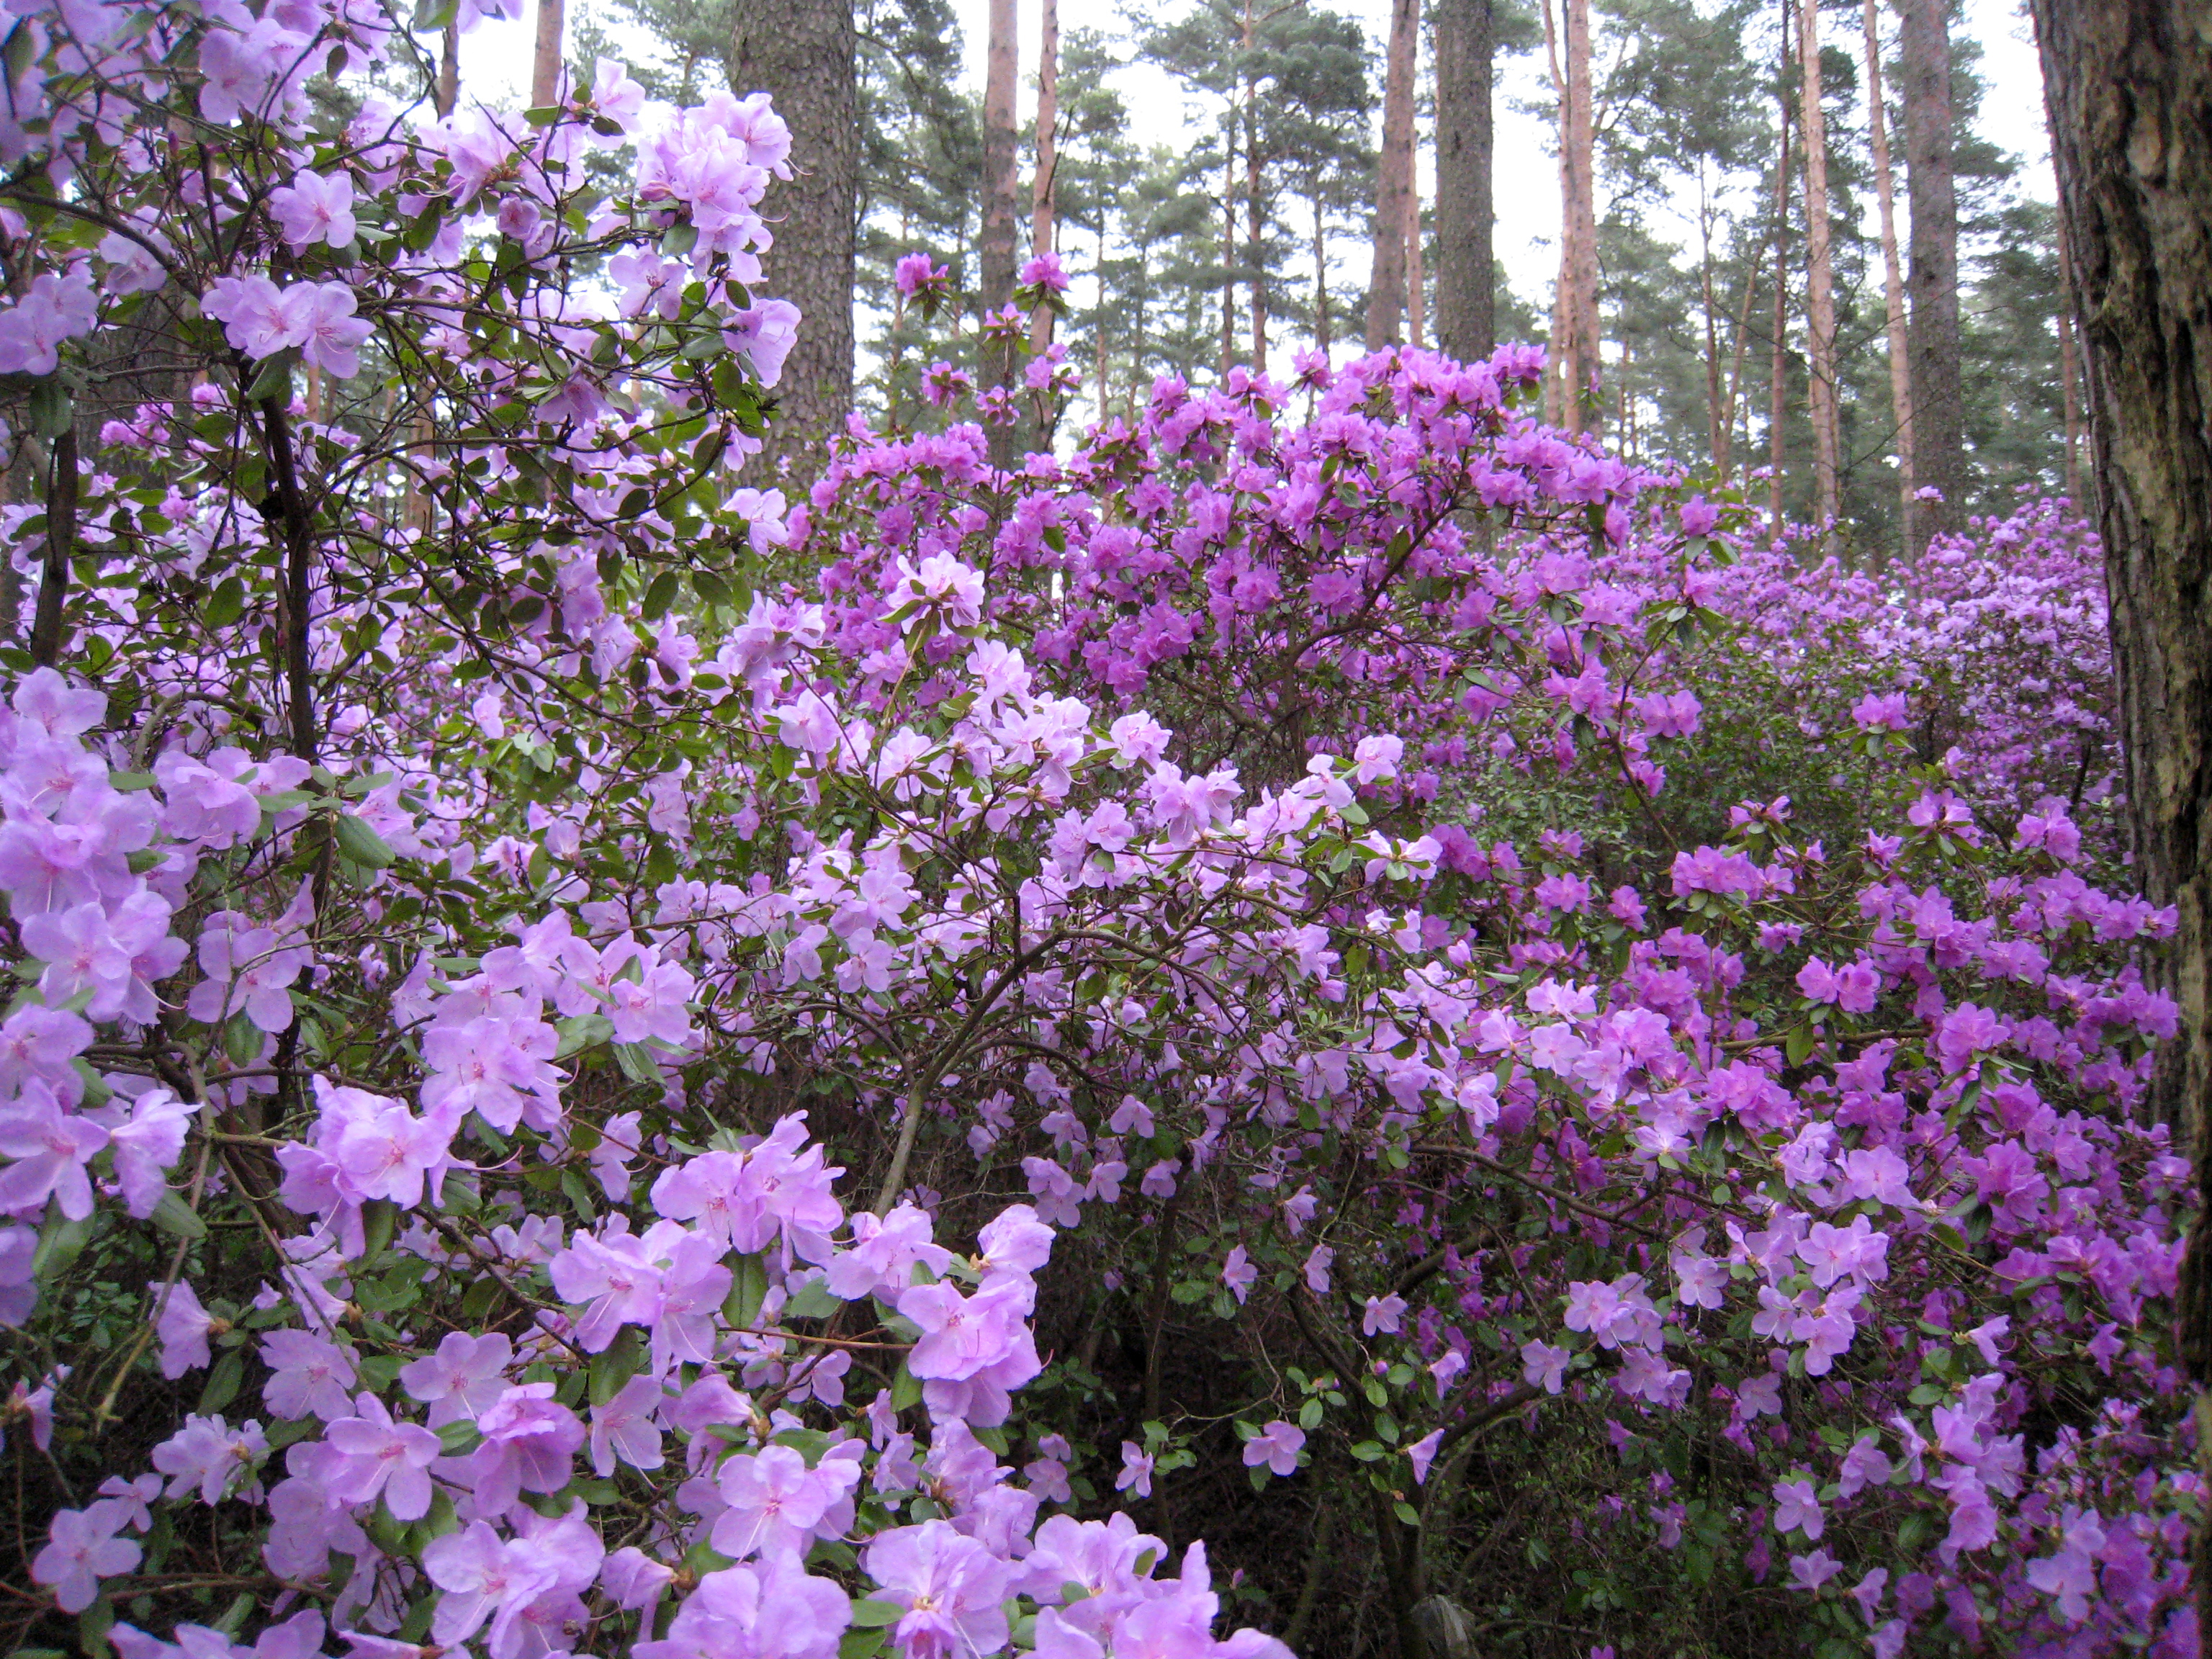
column 1726, row 284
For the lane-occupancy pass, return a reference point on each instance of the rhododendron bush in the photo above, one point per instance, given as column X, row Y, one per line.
column 607, row 1060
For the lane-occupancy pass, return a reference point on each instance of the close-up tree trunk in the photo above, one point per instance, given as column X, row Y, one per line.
column 1385, row 282
column 2129, row 85
column 1892, row 285
column 800, row 52
column 1939, row 453
column 1466, row 283
column 1581, row 403
column 1001, row 204
column 1820, row 272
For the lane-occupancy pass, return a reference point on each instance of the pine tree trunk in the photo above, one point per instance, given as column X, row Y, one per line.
column 1466, row 278
column 2069, row 371
column 1819, row 275
column 1001, row 190
column 801, row 53
column 1939, row 456
column 1724, row 463
column 2128, row 86
column 1416, row 278
column 1778, row 382
column 1555, row 366
column 546, row 60
column 1228, row 251
column 1900, row 351
column 449, row 72
column 1715, row 446
column 1583, row 389
column 1044, row 200
column 1321, row 335
column 1385, row 282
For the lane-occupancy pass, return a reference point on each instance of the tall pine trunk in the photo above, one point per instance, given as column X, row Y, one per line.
column 1582, row 399
column 1893, row 290
column 1778, row 382
column 1715, row 446
column 1321, row 337
column 1229, row 248
column 1466, row 280
column 1417, row 298
column 1001, row 190
column 1555, row 369
column 2129, row 87
column 1043, row 191
column 800, row 52
column 2070, row 368
column 1254, row 205
column 1819, row 275
column 1938, row 455
column 545, row 57
column 1385, row 282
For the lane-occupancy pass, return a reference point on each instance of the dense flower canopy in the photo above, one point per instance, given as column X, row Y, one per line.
column 627, row 1034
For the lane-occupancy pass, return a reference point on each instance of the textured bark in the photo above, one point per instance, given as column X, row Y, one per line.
column 46, row 639
column 2070, row 373
column 1043, row 189
column 449, row 71
column 2128, row 86
column 1893, row 291
column 1716, row 436
column 1819, row 275
column 1466, row 280
column 1228, row 257
column 545, row 58
column 1582, row 399
column 1555, row 367
column 1939, row 454
column 801, row 53
column 1386, row 281
column 1417, row 298
column 1321, row 339
column 1256, row 206
column 1779, row 358
column 1001, row 186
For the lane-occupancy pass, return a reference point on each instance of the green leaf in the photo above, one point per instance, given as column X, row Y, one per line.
column 52, row 412
column 458, row 1438
column 637, row 1063
column 874, row 1615
column 906, row 1388
column 92, row 1625
column 173, row 1215
column 813, row 1301
column 362, row 844
column 747, row 1289
column 615, row 1364
column 60, row 1241
column 860, row 1644
column 222, row 1383
column 274, row 383
column 581, row 1031
column 380, row 1217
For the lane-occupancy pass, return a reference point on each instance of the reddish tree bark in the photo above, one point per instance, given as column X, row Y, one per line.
column 1385, row 282
column 1466, row 279
column 1939, row 452
column 801, row 53
column 2128, row 88
column 1893, row 291
column 1820, row 274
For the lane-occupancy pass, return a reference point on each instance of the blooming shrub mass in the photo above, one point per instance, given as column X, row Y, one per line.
column 596, row 1056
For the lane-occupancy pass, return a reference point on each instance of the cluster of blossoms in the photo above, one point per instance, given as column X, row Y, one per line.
column 1434, row 914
